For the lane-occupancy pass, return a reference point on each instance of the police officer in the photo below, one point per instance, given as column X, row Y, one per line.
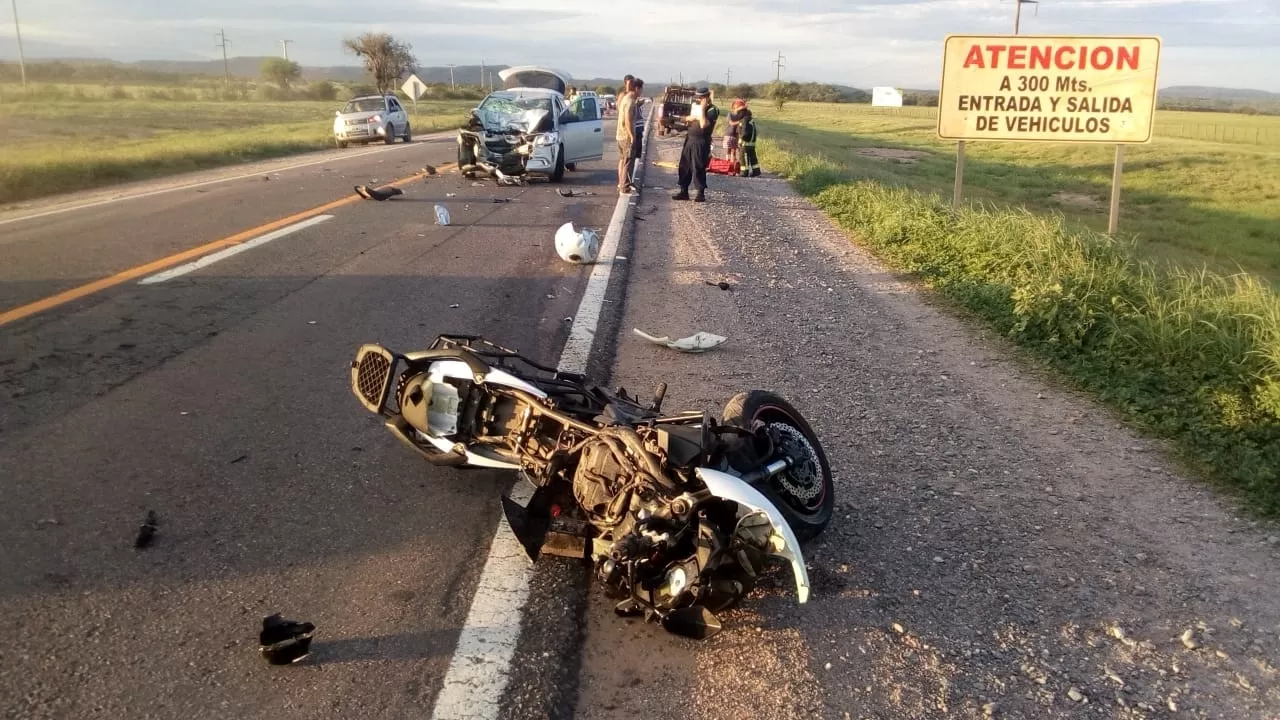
column 696, row 154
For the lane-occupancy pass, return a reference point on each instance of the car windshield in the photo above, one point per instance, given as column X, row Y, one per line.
column 365, row 105
column 501, row 113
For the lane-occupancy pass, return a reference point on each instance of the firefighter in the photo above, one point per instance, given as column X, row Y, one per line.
column 696, row 154
column 749, row 165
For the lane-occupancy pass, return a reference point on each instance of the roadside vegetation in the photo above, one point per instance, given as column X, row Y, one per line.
column 79, row 126
column 1152, row 321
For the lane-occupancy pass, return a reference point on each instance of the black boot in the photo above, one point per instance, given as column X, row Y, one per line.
column 700, row 197
column 682, row 195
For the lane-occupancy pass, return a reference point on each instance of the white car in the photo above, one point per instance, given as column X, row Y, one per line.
column 369, row 118
column 528, row 129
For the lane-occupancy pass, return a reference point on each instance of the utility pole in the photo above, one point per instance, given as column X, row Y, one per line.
column 1017, row 14
column 22, row 59
column 482, row 75
column 451, row 66
column 284, row 48
column 726, row 79
column 780, row 63
column 223, row 42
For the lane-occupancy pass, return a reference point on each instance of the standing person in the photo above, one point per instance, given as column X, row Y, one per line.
column 637, row 88
column 625, row 135
column 749, row 165
column 696, row 154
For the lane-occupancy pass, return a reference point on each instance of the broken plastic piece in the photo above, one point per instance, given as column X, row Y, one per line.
column 700, row 342
column 442, row 215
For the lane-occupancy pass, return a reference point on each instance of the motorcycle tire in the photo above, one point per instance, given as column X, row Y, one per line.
column 804, row 494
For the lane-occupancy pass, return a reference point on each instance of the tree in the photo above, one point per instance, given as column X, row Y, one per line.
column 779, row 93
column 606, row 90
column 281, row 71
column 385, row 58
column 744, row 91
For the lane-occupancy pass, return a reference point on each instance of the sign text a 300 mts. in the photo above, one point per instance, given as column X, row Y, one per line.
column 1048, row 88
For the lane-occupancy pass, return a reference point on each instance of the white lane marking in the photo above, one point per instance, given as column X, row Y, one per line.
column 174, row 188
column 208, row 260
column 481, row 666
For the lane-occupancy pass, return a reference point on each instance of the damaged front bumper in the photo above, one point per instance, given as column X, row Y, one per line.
column 506, row 157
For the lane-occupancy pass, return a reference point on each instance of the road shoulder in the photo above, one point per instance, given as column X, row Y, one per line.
column 1001, row 546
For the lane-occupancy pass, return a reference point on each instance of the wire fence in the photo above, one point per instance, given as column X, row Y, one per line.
column 1245, row 134
column 1216, row 132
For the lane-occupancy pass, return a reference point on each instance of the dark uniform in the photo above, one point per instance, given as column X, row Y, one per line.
column 748, row 165
column 695, row 157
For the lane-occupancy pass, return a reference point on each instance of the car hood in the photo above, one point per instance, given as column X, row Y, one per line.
column 357, row 115
column 534, row 76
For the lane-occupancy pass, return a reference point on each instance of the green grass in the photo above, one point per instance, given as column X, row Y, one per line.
column 1185, row 353
column 65, row 145
column 1185, row 201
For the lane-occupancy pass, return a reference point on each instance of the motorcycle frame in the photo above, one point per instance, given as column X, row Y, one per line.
column 467, row 357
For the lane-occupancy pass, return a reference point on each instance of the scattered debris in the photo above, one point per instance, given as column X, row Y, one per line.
column 311, row 322
column 1075, row 694
column 454, row 306
column 147, row 532
column 242, row 458
column 666, row 164
column 47, row 521
column 565, row 193
column 442, row 215
column 577, row 247
column 722, row 284
column 428, row 169
column 1188, row 639
column 700, row 342
column 502, row 200
column 449, row 195
column 283, row 642
column 479, row 183
column 379, row 194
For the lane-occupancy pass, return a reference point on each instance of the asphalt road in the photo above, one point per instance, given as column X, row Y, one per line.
column 220, row 400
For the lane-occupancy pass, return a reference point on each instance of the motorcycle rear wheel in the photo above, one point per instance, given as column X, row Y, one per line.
column 804, row 493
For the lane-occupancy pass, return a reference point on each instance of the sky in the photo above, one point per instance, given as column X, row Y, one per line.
column 872, row 42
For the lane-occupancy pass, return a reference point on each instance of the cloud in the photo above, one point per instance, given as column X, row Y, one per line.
column 873, row 41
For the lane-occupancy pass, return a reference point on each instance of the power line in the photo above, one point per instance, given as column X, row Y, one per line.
column 223, row 42
column 451, row 66
column 780, row 63
column 284, row 48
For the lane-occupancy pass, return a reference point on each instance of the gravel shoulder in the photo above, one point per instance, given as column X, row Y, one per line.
column 1003, row 547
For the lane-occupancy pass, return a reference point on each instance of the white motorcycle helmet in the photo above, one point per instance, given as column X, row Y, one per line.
column 577, row 247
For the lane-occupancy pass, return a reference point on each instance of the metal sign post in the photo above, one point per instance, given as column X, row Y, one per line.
column 959, row 189
column 1113, row 221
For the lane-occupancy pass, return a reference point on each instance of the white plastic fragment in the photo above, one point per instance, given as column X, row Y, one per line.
column 442, row 215
column 700, row 342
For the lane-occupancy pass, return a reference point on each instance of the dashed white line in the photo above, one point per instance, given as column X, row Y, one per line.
column 481, row 666
column 208, row 260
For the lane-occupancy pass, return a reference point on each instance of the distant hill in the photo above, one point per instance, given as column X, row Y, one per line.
column 1199, row 92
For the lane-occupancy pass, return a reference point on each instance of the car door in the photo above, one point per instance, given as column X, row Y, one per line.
column 583, row 130
column 398, row 115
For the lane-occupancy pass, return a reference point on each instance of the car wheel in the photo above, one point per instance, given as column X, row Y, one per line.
column 342, row 144
column 571, row 167
column 389, row 136
column 408, row 132
column 558, row 174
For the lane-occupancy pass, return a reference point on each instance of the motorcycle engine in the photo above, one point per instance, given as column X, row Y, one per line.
column 597, row 478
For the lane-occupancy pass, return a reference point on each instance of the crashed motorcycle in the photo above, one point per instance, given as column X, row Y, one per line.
column 679, row 515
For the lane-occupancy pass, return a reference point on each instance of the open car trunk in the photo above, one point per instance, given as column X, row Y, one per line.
column 533, row 76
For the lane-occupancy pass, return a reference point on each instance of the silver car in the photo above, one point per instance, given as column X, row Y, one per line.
column 369, row 118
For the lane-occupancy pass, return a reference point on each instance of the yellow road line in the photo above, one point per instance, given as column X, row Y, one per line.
column 154, row 266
